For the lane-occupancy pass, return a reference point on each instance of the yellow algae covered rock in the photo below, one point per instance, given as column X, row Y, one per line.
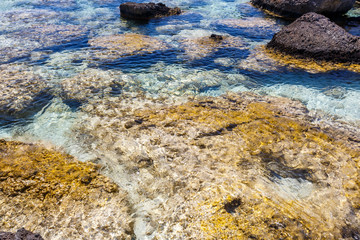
column 51, row 193
column 116, row 46
column 19, row 87
column 196, row 48
column 238, row 166
column 265, row 60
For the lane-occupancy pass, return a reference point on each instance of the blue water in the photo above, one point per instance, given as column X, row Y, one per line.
column 28, row 38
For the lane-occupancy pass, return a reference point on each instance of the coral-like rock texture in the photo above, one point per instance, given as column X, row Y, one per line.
column 196, row 48
column 21, row 234
column 51, row 193
column 146, row 11
column 315, row 36
column 239, row 166
column 121, row 45
column 296, row 8
column 20, row 89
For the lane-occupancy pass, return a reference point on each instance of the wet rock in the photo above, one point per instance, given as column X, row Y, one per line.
column 20, row 89
column 296, row 8
column 57, row 196
column 216, row 37
column 146, row 11
column 315, row 36
column 21, row 234
column 268, row 172
column 116, row 46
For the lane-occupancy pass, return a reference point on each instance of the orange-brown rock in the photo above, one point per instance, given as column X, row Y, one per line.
column 51, row 193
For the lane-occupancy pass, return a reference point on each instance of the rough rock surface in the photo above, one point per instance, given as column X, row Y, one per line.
column 296, row 8
column 315, row 36
column 21, row 234
column 146, row 11
column 196, row 48
column 60, row 198
column 231, row 167
column 121, row 45
column 20, row 88
column 91, row 83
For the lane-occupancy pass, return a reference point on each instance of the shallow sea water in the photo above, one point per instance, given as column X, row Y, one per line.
column 52, row 39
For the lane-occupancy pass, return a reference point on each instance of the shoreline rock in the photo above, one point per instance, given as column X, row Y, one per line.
column 315, row 36
column 296, row 8
column 146, row 11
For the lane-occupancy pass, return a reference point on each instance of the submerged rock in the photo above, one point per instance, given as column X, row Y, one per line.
column 21, row 234
column 296, row 8
column 315, row 36
column 146, row 11
column 235, row 166
column 51, row 193
column 121, row 45
column 200, row 47
column 21, row 89
column 21, row 42
column 91, row 83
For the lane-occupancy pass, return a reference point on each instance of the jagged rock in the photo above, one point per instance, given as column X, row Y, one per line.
column 315, row 36
column 21, row 234
column 57, row 196
column 237, row 166
column 146, row 11
column 296, row 8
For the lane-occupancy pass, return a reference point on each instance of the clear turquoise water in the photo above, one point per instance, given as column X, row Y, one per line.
column 170, row 72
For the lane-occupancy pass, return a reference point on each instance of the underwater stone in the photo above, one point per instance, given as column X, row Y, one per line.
column 196, row 48
column 91, row 83
column 21, row 234
column 20, row 87
column 121, row 45
column 57, row 196
column 296, row 8
column 222, row 167
column 146, row 11
column 315, row 36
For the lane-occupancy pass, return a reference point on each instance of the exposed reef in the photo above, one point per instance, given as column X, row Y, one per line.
column 296, row 8
column 146, row 11
column 315, row 36
column 60, row 198
column 236, row 166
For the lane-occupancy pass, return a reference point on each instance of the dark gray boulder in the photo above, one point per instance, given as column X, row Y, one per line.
column 146, row 11
column 21, row 234
column 315, row 36
column 296, row 8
